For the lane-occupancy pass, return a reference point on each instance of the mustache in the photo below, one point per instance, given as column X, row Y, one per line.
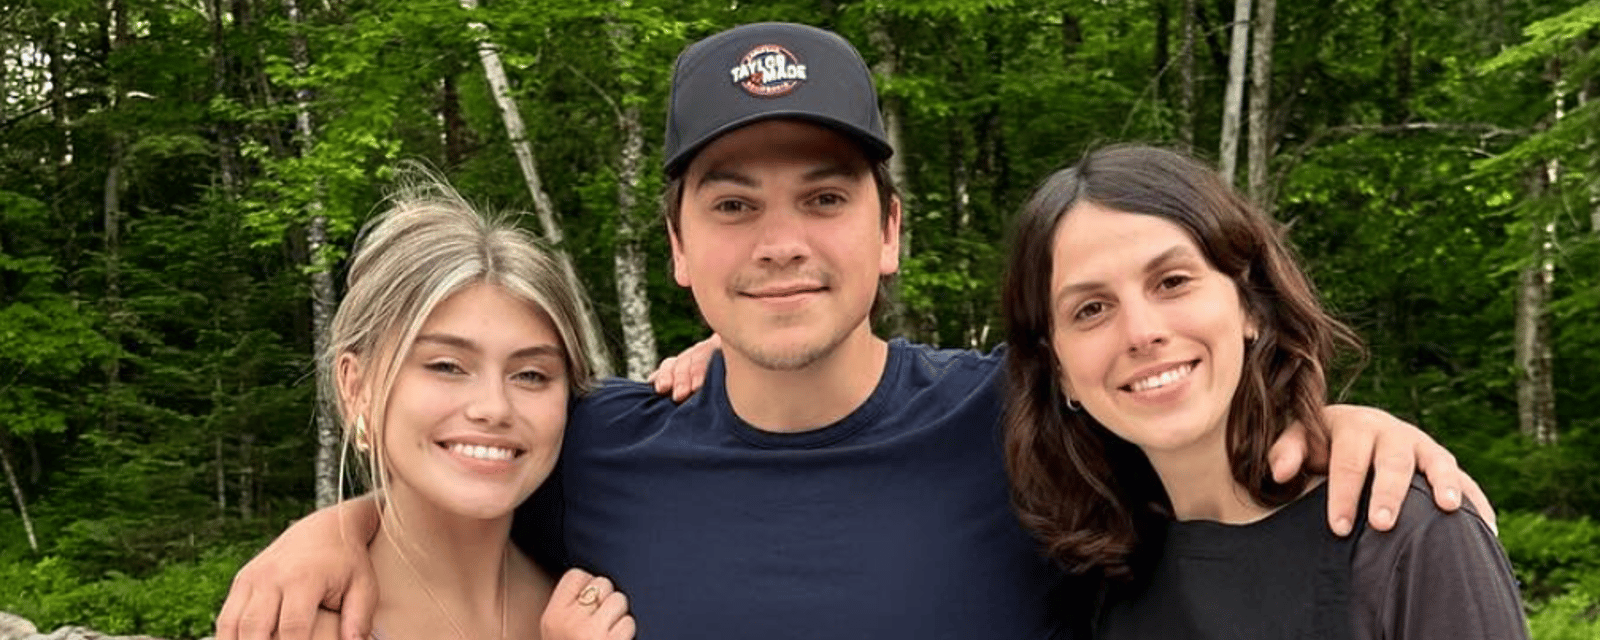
column 809, row 277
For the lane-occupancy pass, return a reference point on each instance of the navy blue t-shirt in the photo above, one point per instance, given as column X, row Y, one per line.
column 892, row 523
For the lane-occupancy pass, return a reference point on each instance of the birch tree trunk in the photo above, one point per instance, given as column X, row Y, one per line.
column 1186, row 79
column 1228, row 155
column 633, row 296
column 16, row 492
column 516, row 131
column 1260, row 147
column 322, row 296
column 1536, row 412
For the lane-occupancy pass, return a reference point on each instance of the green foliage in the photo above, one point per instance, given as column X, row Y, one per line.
column 155, row 390
column 177, row 601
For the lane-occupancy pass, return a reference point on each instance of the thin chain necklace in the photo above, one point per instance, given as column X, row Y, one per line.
column 505, row 572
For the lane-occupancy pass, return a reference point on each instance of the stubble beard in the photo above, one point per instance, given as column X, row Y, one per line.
column 786, row 358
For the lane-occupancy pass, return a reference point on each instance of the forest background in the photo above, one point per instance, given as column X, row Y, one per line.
column 180, row 181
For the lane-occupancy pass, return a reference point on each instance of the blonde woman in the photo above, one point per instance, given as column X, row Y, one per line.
column 453, row 358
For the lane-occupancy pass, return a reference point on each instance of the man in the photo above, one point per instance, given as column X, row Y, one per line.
column 825, row 482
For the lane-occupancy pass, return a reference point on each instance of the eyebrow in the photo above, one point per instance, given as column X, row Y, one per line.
column 468, row 345
column 827, row 170
column 1161, row 259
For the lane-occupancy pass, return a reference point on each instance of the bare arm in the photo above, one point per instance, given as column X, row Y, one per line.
column 1366, row 439
column 319, row 562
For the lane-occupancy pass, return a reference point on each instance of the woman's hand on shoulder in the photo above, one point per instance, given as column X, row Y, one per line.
column 586, row 607
column 683, row 374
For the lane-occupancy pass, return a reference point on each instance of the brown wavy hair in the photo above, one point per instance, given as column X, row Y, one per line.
column 1092, row 498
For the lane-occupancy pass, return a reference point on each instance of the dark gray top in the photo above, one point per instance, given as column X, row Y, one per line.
column 1436, row 575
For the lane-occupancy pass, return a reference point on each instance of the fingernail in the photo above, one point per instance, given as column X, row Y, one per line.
column 1453, row 497
column 1385, row 517
column 1341, row 526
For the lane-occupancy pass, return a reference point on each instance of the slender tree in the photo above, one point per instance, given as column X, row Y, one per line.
column 1186, row 101
column 1536, row 411
column 638, row 336
column 1233, row 96
column 322, row 292
column 517, row 132
column 1259, row 151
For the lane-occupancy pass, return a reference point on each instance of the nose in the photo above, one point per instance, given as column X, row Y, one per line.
column 490, row 405
column 1144, row 326
column 782, row 238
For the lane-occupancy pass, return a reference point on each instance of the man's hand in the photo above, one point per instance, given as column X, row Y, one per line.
column 586, row 607
column 683, row 374
column 1365, row 439
column 319, row 561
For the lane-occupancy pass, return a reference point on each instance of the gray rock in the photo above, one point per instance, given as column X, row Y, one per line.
column 15, row 627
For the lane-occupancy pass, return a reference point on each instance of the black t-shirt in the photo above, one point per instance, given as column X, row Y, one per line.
column 894, row 522
column 1434, row 576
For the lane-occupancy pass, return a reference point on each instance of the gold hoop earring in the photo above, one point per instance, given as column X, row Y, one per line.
column 362, row 444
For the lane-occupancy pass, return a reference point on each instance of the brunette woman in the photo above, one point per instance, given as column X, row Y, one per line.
column 1162, row 336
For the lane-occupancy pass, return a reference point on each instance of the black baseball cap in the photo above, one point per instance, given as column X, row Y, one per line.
column 770, row 70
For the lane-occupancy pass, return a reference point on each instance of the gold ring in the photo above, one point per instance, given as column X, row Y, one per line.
column 590, row 595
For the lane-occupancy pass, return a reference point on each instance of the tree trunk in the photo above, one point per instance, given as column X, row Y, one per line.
column 116, row 35
column 632, row 294
column 222, row 86
column 516, row 131
column 1261, row 143
column 1163, row 53
column 1186, row 79
column 1228, row 155
column 247, row 476
column 1536, row 413
column 1535, row 388
column 452, row 125
column 112, row 204
column 884, row 69
column 322, row 296
column 222, row 477
column 1584, row 93
column 16, row 492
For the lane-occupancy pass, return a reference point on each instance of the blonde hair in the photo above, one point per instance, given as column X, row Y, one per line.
column 426, row 246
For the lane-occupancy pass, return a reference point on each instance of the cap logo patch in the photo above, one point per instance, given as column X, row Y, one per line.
column 768, row 71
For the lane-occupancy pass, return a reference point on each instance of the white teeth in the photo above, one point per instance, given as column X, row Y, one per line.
column 482, row 452
column 1162, row 379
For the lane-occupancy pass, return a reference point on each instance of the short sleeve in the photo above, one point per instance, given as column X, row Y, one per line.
column 1436, row 575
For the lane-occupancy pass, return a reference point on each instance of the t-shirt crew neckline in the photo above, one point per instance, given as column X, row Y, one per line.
column 826, row 436
column 1207, row 536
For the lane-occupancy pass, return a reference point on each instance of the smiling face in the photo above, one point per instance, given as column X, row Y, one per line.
column 475, row 418
column 782, row 241
column 1149, row 335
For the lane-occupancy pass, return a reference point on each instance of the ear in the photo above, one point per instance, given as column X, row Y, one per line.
column 354, row 392
column 1251, row 330
column 680, row 273
column 889, row 254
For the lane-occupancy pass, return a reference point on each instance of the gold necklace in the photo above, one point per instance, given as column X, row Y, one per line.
column 505, row 572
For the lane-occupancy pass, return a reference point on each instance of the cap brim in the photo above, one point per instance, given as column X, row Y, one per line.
column 876, row 149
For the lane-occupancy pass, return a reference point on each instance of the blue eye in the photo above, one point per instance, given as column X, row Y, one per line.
column 444, row 366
